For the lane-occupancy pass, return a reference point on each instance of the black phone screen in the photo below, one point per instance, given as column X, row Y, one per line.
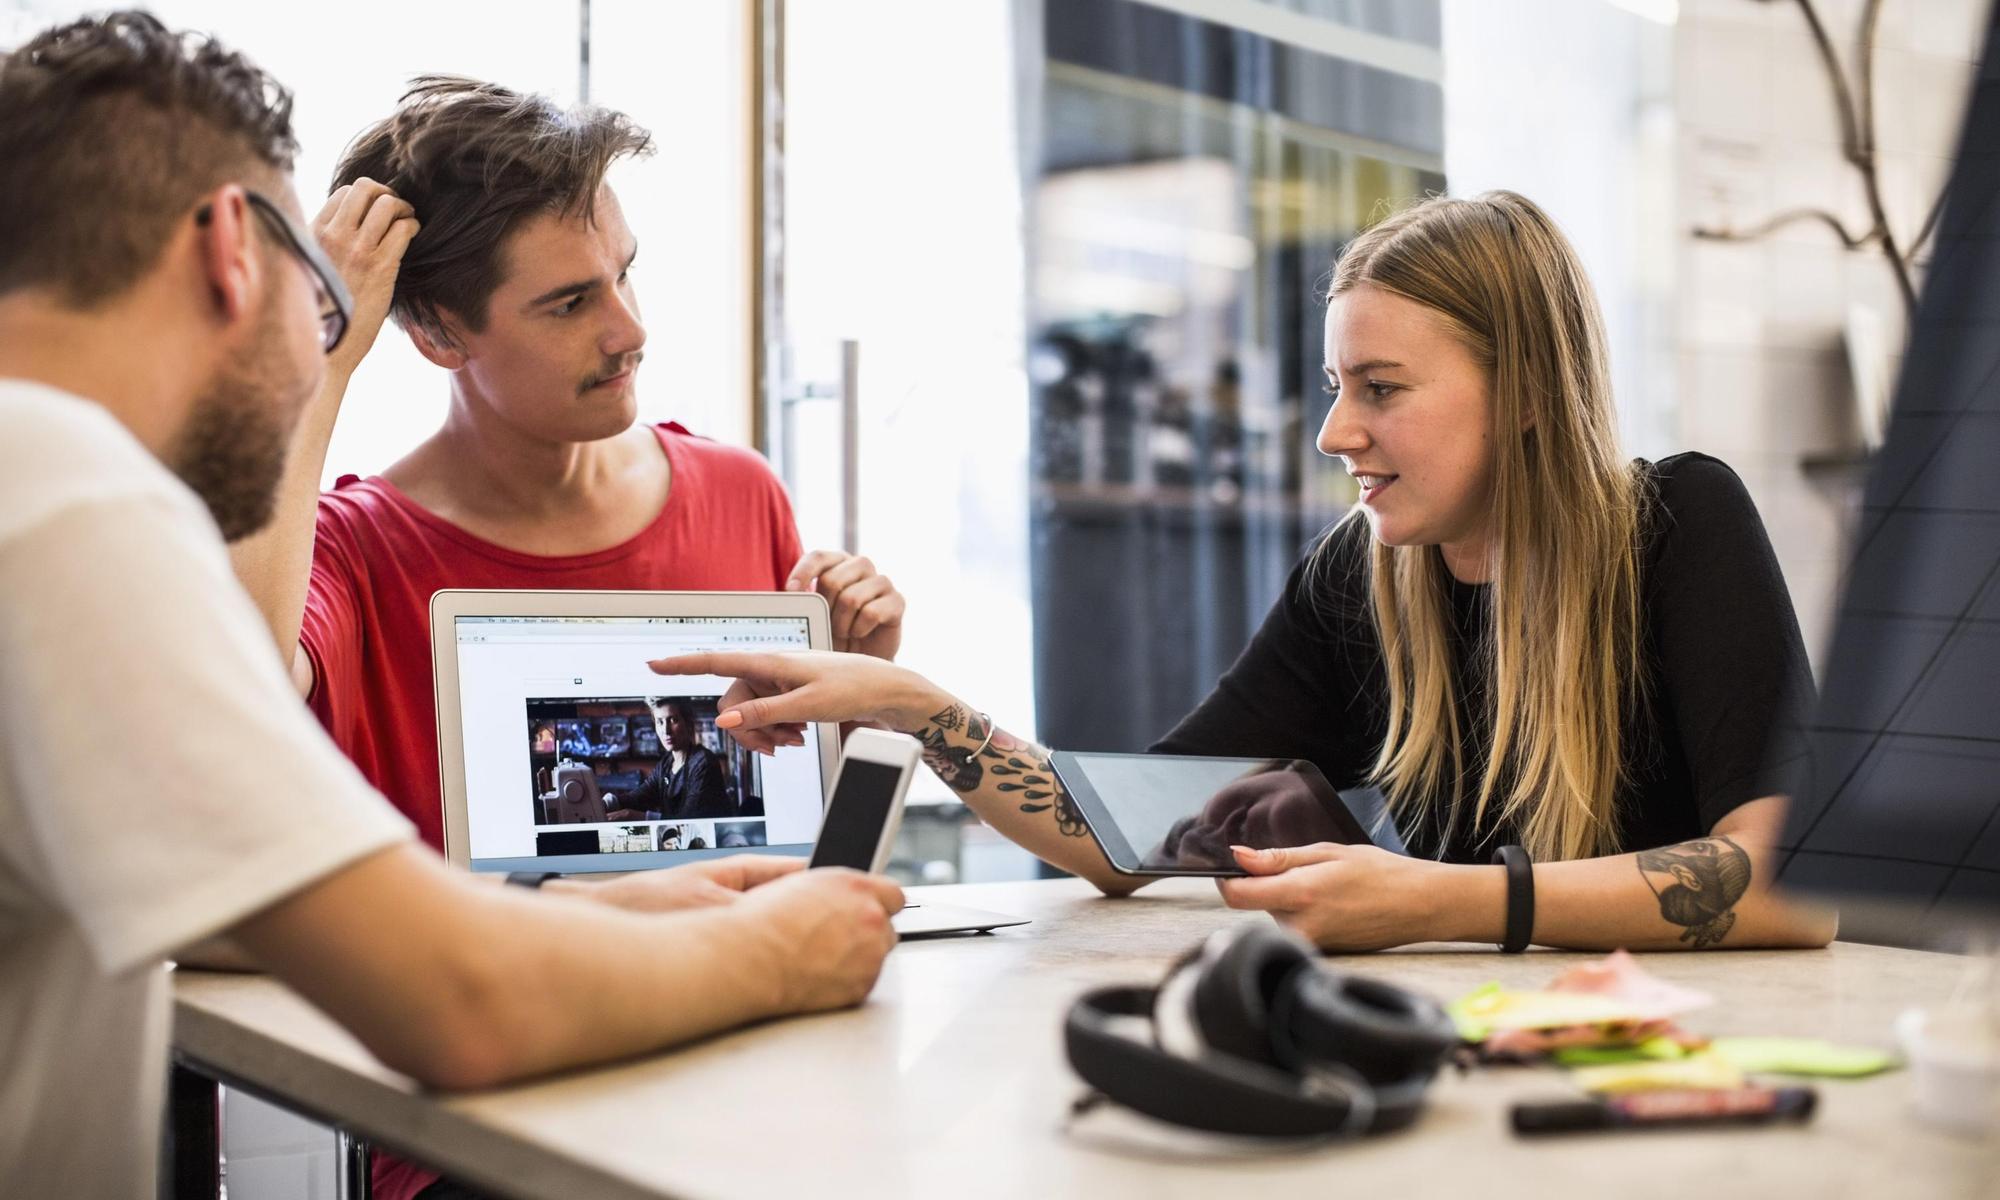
column 862, row 796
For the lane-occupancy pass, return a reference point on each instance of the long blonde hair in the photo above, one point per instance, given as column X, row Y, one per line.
column 1562, row 644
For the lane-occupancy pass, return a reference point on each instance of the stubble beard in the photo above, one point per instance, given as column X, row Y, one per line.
column 231, row 450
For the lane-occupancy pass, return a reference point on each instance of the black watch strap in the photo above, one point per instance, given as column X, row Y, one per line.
column 530, row 879
column 1520, row 897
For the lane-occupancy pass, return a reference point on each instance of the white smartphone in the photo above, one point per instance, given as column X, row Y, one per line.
column 859, row 827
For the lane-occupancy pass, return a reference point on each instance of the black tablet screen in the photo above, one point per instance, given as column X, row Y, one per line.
column 1183, row 814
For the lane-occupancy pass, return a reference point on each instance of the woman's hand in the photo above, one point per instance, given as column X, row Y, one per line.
column 364, row 228
column 776, row 695
column 1342, row 897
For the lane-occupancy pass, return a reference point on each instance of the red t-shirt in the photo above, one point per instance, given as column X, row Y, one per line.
column 726, row 526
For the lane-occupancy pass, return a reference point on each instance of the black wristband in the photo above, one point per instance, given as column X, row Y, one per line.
column 1520, row 897
column 530, row 879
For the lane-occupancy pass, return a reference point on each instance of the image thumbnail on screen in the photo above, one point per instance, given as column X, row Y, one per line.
column 636, row 758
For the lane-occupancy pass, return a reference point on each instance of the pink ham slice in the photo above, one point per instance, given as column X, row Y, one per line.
column 1618, row 977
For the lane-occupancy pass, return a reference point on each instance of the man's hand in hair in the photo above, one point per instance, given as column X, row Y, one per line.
column 703, row 884
column 867, row 608
column 364, row 228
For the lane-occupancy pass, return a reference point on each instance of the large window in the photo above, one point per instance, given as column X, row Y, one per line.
column 1200, row 165
column 905, row 244
column 1067, row 278
column 687, row 204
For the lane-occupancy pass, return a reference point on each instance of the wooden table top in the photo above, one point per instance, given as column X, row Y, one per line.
column 951, row 1081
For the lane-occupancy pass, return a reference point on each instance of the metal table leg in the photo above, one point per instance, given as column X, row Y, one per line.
column 191, row 1138
column 350, row 1167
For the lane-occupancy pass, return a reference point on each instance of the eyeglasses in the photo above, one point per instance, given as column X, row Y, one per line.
column 336, row 306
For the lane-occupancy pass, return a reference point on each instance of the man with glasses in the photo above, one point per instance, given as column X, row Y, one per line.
column 163, row 322
column 336, row 307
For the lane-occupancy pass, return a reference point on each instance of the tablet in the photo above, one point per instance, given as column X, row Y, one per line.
column 1161, row 814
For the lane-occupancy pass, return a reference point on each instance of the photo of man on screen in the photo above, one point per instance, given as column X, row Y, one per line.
column 688, row 782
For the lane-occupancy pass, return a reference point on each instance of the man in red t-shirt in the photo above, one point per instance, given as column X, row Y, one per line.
column 518, row 286
column 517, row 283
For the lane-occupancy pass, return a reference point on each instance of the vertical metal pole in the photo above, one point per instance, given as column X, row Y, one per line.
column 765, row 85
column 191, row 1140
column 351, row 1180
column 583, row 52
column 787, row 443
column 850, row 446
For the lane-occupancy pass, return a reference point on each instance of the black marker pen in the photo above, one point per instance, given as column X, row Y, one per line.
column 1666, row 1110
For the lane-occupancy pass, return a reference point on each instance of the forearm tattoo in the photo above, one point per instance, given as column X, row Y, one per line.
column 1020, row 770
column 1698, row 885
column 955, row 765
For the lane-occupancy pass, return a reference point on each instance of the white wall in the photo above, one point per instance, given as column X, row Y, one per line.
column 680, row 69
column 1569, row 102
column 1764, row 382
column 676, row 69
column 903, row 231
column 1633, row 121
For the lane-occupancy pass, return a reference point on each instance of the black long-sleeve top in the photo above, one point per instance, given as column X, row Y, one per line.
column 696, row 790
column 1727, row 674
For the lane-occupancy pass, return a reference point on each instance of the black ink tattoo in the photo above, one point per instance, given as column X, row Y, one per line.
column 1039, row 791
column 1036, row 782
column 1013, row 766
column 953, row 764
column 1705, row 879
column 1069, row 822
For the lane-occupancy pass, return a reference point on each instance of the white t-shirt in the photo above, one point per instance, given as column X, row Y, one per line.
column 160, row 780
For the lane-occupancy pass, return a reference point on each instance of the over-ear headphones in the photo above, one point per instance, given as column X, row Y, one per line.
column 1252, row 1035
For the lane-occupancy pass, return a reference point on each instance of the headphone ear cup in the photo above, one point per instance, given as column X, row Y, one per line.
column 1386, row 1033
column 1211, row 1093
column 1241, row 974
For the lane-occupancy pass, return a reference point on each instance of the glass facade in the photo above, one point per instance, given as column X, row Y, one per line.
column 1193, row 183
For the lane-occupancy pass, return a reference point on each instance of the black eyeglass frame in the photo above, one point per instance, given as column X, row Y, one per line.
column 333, row 325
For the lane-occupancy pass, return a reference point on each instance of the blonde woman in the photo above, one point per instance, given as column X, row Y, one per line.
column 1522, row 638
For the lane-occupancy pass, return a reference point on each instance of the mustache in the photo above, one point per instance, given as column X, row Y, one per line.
column 617, row 366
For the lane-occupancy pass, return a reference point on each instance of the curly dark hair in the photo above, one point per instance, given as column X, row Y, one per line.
column 475, row 160
column 112, row 128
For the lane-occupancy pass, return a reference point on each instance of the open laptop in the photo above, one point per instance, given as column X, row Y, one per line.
column 550, row 724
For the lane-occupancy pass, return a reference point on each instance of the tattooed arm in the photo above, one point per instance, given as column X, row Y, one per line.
column 1710, row 892
column 1006, row 780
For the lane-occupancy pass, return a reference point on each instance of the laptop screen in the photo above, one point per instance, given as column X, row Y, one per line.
column 579, row 758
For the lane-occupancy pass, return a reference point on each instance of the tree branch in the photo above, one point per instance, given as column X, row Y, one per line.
column 1791, row 216
column 1856, row 107
column 1843, row 98
column 1871, row 17
column 1929, row 226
